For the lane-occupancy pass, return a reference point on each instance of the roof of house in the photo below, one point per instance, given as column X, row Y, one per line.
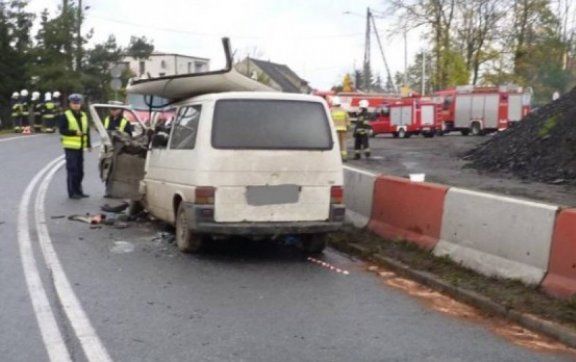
column 280, row 74
column 158, row 54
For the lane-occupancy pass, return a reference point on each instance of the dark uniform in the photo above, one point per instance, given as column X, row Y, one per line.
column 361, row 135
column 118, row 123
column 24, row 112
column 15, row 115
column 74, row 145
column 49, row 112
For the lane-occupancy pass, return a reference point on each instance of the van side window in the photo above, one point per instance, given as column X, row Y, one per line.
column 186, row 128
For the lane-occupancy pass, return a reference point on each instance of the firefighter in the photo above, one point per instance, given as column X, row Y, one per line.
column 24, row 109
column 341, row 122
column 75, row 131
column 36, row 110
column 361, row 132
column 116, row 120
column 48, row 112
column 15, row 112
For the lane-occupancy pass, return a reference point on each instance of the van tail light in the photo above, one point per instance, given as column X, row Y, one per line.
column 205, row 195
column 336, row 195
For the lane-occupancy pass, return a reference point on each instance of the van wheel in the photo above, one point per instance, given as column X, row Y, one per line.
column 395, row 134
column 186, row 241
column 313, row 243
column 402, row 133
column 476, row 129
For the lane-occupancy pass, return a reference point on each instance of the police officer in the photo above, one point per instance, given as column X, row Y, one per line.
column 361, row 132
column 341, row 122
column 75, row 131
column 116, row 120
column 15, row 113
column 48, row 112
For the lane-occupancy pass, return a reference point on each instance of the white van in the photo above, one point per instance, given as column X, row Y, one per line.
column 246, row 163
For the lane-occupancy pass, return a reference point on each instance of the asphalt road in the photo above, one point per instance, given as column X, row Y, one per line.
column 440, row 159
column 128, row 295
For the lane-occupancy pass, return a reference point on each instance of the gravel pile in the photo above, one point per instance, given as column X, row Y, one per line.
column 542, row 147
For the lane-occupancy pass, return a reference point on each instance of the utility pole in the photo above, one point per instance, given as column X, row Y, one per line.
column 389, row 74
column 79, row 37
column 367, row 69
column 423, row 73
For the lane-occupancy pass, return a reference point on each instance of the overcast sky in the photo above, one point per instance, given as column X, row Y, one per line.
column 313, row 37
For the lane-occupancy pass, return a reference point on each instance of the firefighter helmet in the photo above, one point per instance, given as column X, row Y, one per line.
column 47, row 97
column 336, row 102
column 15, row 95
column 364, row 104
column 56, row 94
column 35, row 96
column 24, row 93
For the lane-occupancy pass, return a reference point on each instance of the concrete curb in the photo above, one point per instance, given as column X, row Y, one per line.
column 551, row 329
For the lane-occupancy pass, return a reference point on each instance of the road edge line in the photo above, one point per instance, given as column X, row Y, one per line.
column 91, row 344
column 51, row 335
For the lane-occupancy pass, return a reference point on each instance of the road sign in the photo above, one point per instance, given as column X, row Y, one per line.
column 116, row 84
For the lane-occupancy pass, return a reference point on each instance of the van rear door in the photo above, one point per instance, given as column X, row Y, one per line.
column 275, row 160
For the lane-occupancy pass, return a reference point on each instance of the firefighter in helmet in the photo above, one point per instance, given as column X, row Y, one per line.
column 36, row 110
column 48, row 112
column 24, row 109
column 15, row 114
column 341, row 122
column 362, row 132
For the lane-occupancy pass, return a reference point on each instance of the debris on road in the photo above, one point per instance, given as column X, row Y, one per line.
column 541, row 147
column 88, row 219
column 57, row 217
column 115, row 208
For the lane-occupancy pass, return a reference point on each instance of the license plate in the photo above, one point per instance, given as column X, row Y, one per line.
column 272, row 195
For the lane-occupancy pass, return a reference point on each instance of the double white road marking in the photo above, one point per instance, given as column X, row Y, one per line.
column 51, row 335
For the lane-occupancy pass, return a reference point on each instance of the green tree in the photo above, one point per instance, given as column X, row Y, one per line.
column 140, row 48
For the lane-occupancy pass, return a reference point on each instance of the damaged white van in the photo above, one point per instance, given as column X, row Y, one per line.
column 257, row 164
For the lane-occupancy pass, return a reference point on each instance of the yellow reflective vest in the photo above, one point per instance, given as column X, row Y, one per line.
column 122, row 127
column 76, row 142
column 340, row 119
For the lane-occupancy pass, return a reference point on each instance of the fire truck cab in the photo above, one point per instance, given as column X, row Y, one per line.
column 481, row 110
column 407, row 117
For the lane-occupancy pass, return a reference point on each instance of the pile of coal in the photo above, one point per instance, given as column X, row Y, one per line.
column 541, row 147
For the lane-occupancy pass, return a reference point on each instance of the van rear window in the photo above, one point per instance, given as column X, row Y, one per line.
column 270, row 124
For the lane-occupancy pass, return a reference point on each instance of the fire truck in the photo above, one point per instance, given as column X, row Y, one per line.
column 407, row 117
column 481, row 110
column 350, row 101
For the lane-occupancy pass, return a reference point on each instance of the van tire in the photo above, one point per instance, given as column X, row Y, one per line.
column 186, row 241
column 476, row 129
column 314, row 243
column 402, row 133
column 465, row 132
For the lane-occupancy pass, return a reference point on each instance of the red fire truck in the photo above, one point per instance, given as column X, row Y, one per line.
column 406, row 117
column 481, row 110
column 350, row 101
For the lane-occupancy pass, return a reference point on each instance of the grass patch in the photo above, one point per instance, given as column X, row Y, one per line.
column 510, row 293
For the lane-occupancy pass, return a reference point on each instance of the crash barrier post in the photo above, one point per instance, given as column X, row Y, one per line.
column 405, row 210
column 561, row 278
column 358, row 196
column 497, row 236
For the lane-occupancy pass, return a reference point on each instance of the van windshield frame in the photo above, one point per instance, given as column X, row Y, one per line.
column 310, row 125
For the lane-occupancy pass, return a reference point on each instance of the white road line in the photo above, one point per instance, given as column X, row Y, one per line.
column 19, row 138
column 93, row 348
column 51, row 336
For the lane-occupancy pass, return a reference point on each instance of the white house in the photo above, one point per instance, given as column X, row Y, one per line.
column 165, row 64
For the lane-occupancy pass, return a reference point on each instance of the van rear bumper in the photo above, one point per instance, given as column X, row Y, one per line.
column 201, row 220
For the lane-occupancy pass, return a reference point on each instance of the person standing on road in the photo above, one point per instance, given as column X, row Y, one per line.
column 15, row 112
column 116, row 120
column 75, row 131
column 341, row 122
column 48, row 112
column 361, row 132
column 24, row 109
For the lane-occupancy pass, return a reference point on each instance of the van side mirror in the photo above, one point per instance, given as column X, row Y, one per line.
column 160, row 140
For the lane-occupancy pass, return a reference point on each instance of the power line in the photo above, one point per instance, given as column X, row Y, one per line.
column 193, row 33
